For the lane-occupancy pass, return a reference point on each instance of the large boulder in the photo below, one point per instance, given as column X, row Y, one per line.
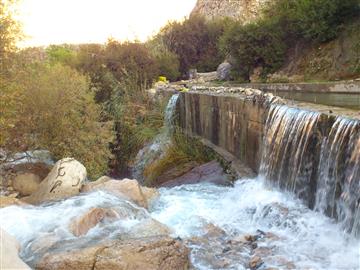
column 145, row 253
column 126, row 188
column 9, row 253
column 210, row 172
column 81, row 225
column 26, row 183
column 224, row 71
column 64, row 180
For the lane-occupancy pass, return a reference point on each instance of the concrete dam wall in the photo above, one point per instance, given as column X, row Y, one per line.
column 314, row 154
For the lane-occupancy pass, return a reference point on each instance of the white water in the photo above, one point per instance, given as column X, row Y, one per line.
column 307, row 239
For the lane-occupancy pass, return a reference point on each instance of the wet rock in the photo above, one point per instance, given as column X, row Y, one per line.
column 255, row 262
column 126, row 188
column 176, row 171
column 272, row 236
column 210, row 172
column 43, row 242
column 148, row 228
column 81, row 225
column 8, row 201
column 26, row 183
column 64, row 180
column 146, row 253
column 9, row 253
column 213, row 231
column 281, row 262
column 263, row 251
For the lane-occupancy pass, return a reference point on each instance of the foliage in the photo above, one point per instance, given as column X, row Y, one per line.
column 283, row 24
column 182, row 150
column 138, row 119
column 56, row 112
column 254, row 45
column 63, row 54
column 315, row 20
column 10, row 33
column 167, row 61
column 131, row 61
column 194, row 41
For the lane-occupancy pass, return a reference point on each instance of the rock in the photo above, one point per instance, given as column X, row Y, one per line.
column 255, row 262
column 145, row 253
column 127, row 188
column 206, row 77
column 245, row 11
column 81, row 225
column 176, row 171
column 9, row 253
column 210, row 172
column 26, row 183
column 44, row 242
column 214, row 231
column 64, row 180
column 224, row 71
column 8, row 201
column 13, row 195
column 148, row 228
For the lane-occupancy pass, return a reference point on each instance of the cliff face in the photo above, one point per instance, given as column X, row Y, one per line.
column 242, row 10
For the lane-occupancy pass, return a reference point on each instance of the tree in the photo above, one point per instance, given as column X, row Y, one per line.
column 131, row 61
column 194, row 41
column 57, row 112
column 254, row 45
column 10, row 33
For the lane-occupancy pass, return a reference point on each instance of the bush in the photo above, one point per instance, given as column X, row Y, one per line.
column 56, row 111
column 131, row 61
column 194, row 41
column 315, row 20
column 321, row 20
column 254, row 45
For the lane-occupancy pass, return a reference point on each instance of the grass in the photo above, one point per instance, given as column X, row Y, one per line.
column 182, row 150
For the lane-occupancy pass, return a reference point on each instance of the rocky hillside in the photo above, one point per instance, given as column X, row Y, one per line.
column 338, row 59
column 243, row 10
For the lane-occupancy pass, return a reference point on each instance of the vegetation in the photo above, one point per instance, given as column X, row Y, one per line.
column 89, row 101
column 181, row 151
column 194, row 41
column 55, row 110
column 254, row 45
column 284, row 23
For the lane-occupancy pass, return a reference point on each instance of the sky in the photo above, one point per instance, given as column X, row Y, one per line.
column 94, row 21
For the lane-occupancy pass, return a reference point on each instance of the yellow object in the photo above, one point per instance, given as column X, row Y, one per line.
column 184, row 89
column 162, row 79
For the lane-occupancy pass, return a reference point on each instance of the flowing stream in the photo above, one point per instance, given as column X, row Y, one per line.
column 301, row 238
column 216, row 223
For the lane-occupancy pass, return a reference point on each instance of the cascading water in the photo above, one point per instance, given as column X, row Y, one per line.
column 322, row 169
column 154, row 150
column 213, row 221
column 289, row 145
column 338, row 186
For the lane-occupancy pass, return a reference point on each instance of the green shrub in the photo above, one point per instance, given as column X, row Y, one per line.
column 254, row 45
column 194, row 41
column 55, row 110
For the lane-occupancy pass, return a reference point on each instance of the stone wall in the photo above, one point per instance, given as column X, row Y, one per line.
column 233, row 123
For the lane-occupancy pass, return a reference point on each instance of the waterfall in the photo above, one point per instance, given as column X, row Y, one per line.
column 338, row 186
column 321, row 165
column 155, row 149
column 289, row 142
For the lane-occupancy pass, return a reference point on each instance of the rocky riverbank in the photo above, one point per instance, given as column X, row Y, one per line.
column 147, row 245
